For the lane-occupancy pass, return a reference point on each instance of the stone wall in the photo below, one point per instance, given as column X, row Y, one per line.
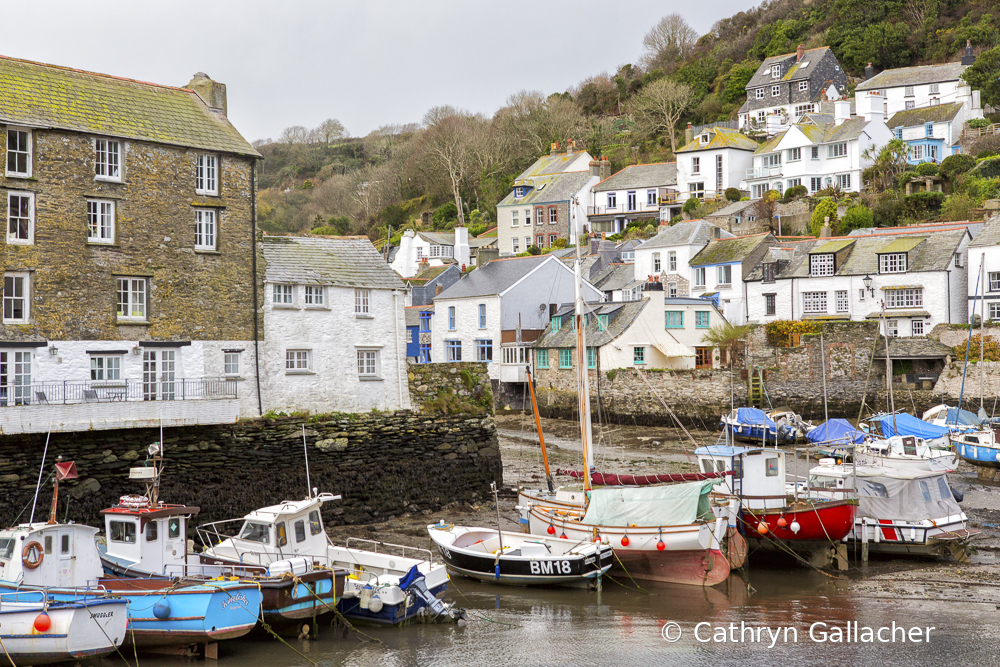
column 465, row 382
column 384, row 465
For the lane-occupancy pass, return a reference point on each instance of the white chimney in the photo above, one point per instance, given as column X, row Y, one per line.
column 874, row 107
column 841, row 111
column 462, row 246
column 405, row 263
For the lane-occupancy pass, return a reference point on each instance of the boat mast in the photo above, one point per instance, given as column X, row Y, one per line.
column 822, row 359
column 982, row 328
column 538, row 425
column 888, row 372
column 583, row 384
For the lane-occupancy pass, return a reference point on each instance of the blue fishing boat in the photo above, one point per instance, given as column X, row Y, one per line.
column 763, row 427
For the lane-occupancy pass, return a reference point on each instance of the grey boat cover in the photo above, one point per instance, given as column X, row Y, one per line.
column 671, row 505
column 904, row 497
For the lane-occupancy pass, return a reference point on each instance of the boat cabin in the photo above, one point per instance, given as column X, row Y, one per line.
column 147, row 539
column 758, row 473
column 57, row 555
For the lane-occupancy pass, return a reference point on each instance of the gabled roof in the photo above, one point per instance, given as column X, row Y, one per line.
column 345, row 261
column 689, row 232
column 614, row 277
column 731, row 209
column 631, row 244
column 552, row 164
column 640, row 176
column 621, row 315
column 989, row 235
column 830, row 132
column 496, row 277
column 938, row 113
column 411, row 314
column 771, row 145
column 41, row 95
column 721, row 137
column 448, row 238
column 914, row 76
column 431, row 272
column 729, row 250
column 794, row 71
column 551, row 188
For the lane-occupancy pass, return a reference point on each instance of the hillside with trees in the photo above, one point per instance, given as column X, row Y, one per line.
column 459, row 164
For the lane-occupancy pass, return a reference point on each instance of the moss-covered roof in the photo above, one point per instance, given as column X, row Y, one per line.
column 728, row 251
column 720, row 137
column 903, row 244
column 49, row 96
column 939, row 113
column 832, row 246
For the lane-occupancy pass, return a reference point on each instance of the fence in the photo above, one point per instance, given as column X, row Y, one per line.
column 47, row 393
column 974, row 132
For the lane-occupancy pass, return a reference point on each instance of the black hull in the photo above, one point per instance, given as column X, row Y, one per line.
column 571, row 570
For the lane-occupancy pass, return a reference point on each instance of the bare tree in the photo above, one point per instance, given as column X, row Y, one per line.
column 330, row 130
column 765, row 209
column 448, row 143
column 379, row 143
column 659, row 106
column 536, row 121
column 671, row 39
column 296, row 134
column 916, row 12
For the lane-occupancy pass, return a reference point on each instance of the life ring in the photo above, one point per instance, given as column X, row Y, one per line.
column 31, row 549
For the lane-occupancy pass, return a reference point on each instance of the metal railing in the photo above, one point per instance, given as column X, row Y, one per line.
column 623, row 210
column 764, row 172
column 111, row 391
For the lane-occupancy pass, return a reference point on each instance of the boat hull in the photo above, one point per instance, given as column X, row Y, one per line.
column 311, row 595
column 937, row 538
column 85, row 629
column 978, row 455
column 826, row 522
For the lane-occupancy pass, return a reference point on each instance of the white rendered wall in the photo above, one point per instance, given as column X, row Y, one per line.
column 466, row 329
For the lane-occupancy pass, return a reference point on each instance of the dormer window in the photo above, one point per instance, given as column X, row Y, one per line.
column 892, row 263
column 704, row 138
column 519, row 192
column 775, row 71
column 821, row 265
column 770, row 271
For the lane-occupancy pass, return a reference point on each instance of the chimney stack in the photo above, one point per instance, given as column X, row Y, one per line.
column 688, row 134
column 595, row 168
column 968, row 58
column 874, row 107
column 570, row 144
column 595, row 243
column 841, row 111
column 211, row 92
column 799, row 51
column 716, row 232
column 869, row 71
column 605, row 170
column 553, row 148
column 438, row 289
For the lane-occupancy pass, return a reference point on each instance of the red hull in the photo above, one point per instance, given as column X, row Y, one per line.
column 693, row 568
column 829, row 521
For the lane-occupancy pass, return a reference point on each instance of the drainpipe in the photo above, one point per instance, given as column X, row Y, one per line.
column 948, row 282
column 253, row 248
column 791, row 297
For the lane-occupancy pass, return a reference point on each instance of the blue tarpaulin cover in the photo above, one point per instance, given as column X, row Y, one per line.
column 753, row 417
column 837, row 431
column 910, row 425
column 962, row 418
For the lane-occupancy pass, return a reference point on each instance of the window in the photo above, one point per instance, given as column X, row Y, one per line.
column 775, row 91
column 792, row 182
column 420, row 253
column 484, row 349
column 674, row 319
column 842, row 304
column 602, row 322
column 934, row 89
column 553, row 215
column 630, row 200
column 539, row 215
column 892, row 263
column 298, row 360
column 20, row 380
column 994, row 310
column 565, row 358
column 527, row 242
column 556, row 324
column 861, row 294
column 771, row 467
column 794, row 154
column 909, row 105
column 814, row 302
column 837, row 150
column 758, row 190
column 803, row 86
column 907, row 91
column 552, row 239
column 760, row 93
column 761, row 115
column 699, row 276
column 204, row 229
column 672, row 261
column 702, row 357
column 696, row 190
column 453, row 350
column 540, row 240
column 152, row 530
column 515, row 245
column 995, row 281
column 18, row 152
column 314, row 295
column 650, row 197
column 775, row 71
column 591, row 358
column 814, row 152
column 206, row 179
column 770, row 307
column 542, row 358
column 105, row 367
column 815, row 183
column 898, row 132
column 671, row 290
column 696, row 165
column 612, row 200
column 639, row 355
column 932, row 152
column 362, row 301
column 918, row 327
column 821, row 265
column 131, row 299
column 367, row 363
column 231, row 364
column 656, row 262
column 701, row 319
column 482, row 316
column 918, row 152
column 518, row 193
column 425, row 353
column 108, row 163
column 300, row 530
column 281, row 294
column 844, row 181
column 122, row 531
column 904, row 298
column 451, row 318
column 803, row 109
column 256, row 532
column 892, row 328
column 513, row 218
column 770, row 271
column 929, row 129
column 100, row 221
column 20, row 217
column 724, row 275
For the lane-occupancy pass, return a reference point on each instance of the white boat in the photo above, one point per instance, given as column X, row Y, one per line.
column 906, row 452
column 382, row 587
column 36, row 630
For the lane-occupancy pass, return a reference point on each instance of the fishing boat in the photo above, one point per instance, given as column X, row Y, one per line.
column 36, row 630
column 979, row 448
column 955, row 419
column 906, row 452
column 762, row 427
column 884, row 426
column 382, row 587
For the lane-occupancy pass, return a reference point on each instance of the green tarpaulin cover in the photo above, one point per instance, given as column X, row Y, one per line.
column 673, row 505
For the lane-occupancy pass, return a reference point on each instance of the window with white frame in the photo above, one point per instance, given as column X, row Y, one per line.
column 814, row 302
column 803, row 109
column 651, row 198
column 699, row 276
column 672, row 261
column 775, row 91
column 907, row 91
column 100, row 221
column 696, row 165
column 515, row 245
column 842, row 303
column 837, row 150
column 539, row 215
column 844, row 181
column 775, row 71
column 513, row 218
column 814, row 152
column 206, row 180
column 892, row 328
column 314, row 295
column 792, row 182
column 132, row 299
column 724, row 274
column 21, row 218
column 18, row 152
column 107, row 165
column 821, row 265
column 918, row 152
column 527, row 242
column 917, row 327
column 994, row 280
column 482, row 316
column 803, row 86
column 612, row 200
column 861, row 294
column 911, row 297
column 672, row 290
column 892, row 263
column 794, row 154
column 16, row 308
column 760, row 93
column 656, row 262
column 367, row 363
column 105, row 367
column 761, row 115
column 757, row 190
column 281, row 295
column 553, row 215
column 815, row 184
column 934, row 89
column 298, row 361
column 910, row 104
column 231, row 363
column 362, row 301
column 994, row 310
column 204, row 229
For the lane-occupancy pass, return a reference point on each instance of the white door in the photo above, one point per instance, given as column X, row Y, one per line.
column 159, row 375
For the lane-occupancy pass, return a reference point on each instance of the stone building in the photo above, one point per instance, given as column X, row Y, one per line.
column 129, row 263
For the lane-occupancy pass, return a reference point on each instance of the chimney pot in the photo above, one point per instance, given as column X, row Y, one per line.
column 799, row 51
column 438, row 289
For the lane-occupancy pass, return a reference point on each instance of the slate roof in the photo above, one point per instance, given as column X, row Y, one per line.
column 831, row 133
column 689, row 232
column 446, row 238
column 720, row 137
column 791, row 71
column 913, row 348
column 640, row 176
column 550, row 164
column 938, row 113
column 974, row 227
column 412, row 314
column 727, row 251
column 344, row 261
column 913, row 76
column 614, row 277
column 41, row 95
column 988, row 236
column 819, row 66
column 631, row 244
column 621, row 314
column 732, row 209
column 429, row 273
column 550, row 188
column 495, row 277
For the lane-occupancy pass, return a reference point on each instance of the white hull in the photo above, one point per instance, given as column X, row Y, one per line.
column 78, row 630
column 925, row 537
column 945, row 462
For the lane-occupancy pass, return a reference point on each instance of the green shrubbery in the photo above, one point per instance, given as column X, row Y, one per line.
column 857, row 216
column 927, row 169
column 921, row 205
column 953, row 165
column 793, row 192
column 826, row 208
column 690, row 205
column 733, row 194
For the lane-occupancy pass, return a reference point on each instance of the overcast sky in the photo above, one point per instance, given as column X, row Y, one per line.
column 366, row 63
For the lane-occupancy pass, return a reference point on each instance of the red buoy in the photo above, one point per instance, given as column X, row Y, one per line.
column 43, row 622
column 762, row 527
column 782, row 522
column 625, row 541
column 563, row 537
column 597, row 539
column 660, row 546
column 551, row 530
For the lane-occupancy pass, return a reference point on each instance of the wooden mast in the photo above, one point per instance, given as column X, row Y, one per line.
column 583, row 386
column 538, row 425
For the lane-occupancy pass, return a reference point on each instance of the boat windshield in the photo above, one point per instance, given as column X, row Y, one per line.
column 6, row 548
column 256, row 532
column 823, row 482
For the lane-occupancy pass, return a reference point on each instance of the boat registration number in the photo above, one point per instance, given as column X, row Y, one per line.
column 550, row 567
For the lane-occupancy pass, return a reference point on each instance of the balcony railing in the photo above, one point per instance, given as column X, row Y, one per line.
column 50, row 393
column 623, row 210
column 764, row 172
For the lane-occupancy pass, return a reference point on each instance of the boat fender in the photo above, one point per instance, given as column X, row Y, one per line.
column 366, row 596
column 161, row 609
column 32, row 555
column 375, row 605
column 957, row 495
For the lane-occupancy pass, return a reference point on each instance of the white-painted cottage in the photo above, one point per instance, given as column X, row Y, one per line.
column 984, row 271
column 334, row 327
column 717, row 158
column 419, row 251
column 934, row 132
column 665, row 257
column 634, row 193
column 720, row 269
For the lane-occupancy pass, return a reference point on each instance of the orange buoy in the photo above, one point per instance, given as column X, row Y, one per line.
column 762, row 527
column 43, row 622
column 625, row 541
column 782, row 522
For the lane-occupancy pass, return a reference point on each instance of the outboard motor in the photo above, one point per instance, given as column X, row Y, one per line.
column 413, row 582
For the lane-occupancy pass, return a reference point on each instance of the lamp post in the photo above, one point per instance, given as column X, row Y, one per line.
column 867, row 280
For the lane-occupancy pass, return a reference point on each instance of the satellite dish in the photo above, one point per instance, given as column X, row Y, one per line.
column 541, row 307
column 743, row 185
